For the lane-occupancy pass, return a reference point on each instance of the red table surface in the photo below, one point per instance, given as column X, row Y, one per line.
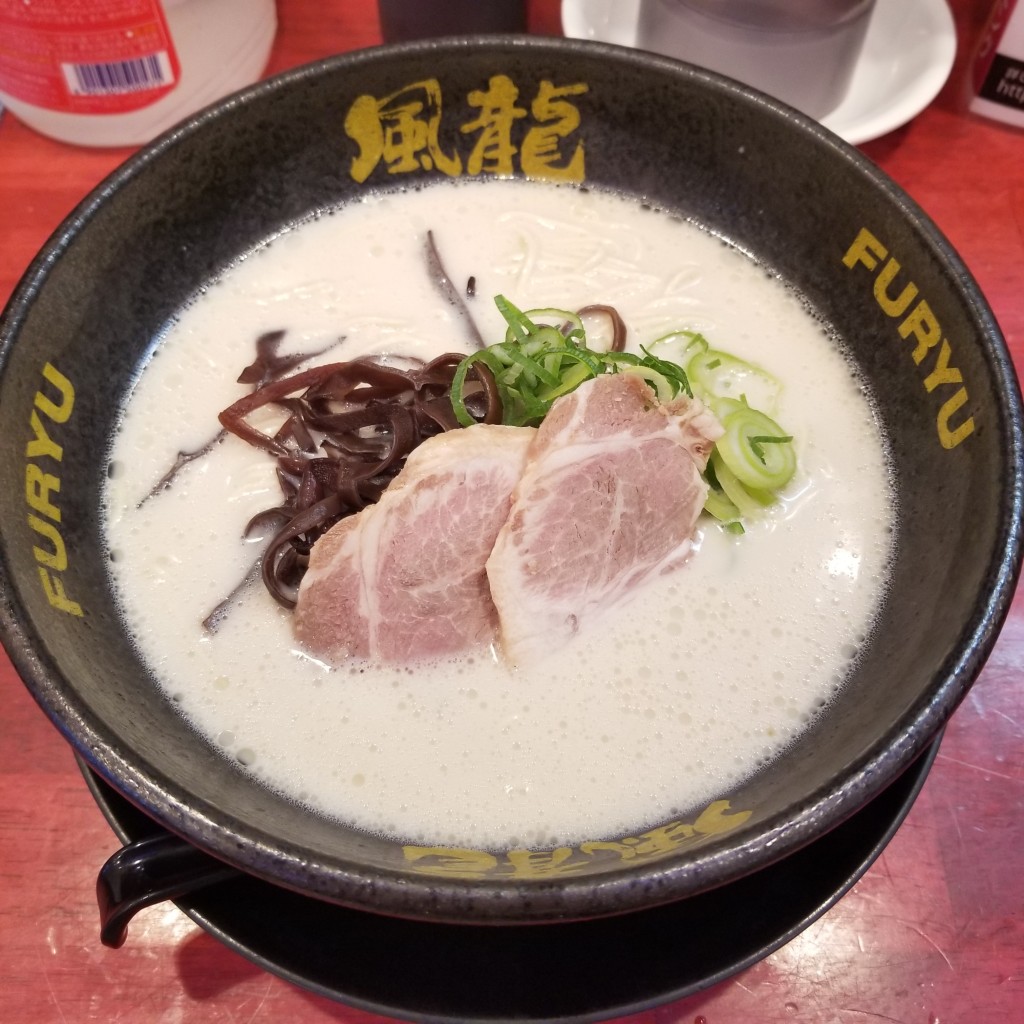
column 932, row 934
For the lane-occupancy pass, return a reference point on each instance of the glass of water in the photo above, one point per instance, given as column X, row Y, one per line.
column 802, row 52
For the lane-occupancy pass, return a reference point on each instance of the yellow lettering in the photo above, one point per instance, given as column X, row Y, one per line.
column 532, row 864
column 402, row 130
column 38, row 486
column 714, row 820
column 894, row 307
column 950, row 438
column 42, row 445
column 57, row 413
column 57, row 558
column 921, row 323
column 922, row 326
column 57, row 595
column 363, row 123
column 866, row 249
column 541, row 156
column 442, row 860
column 494, row 149
column 626, row 849
column 563, row 860
column 943, row 372
column 665, row 838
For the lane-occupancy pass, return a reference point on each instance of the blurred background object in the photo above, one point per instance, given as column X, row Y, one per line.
column 998, row 79
column 120, row 72
column 800, row 51
column 420, row 19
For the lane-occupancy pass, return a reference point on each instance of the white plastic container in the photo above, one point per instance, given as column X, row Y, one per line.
column 999, row 66
column 119, row 72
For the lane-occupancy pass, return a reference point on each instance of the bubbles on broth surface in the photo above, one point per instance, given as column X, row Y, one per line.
column 695, row 684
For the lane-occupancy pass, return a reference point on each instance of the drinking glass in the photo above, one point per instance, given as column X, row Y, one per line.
column 802, row 52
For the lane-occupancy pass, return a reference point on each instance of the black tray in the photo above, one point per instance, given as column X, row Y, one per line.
column 580, row 971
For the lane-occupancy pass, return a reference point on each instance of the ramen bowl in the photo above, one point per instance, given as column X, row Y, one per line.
column 802, row 204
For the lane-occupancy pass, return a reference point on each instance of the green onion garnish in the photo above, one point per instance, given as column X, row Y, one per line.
column 539, row 362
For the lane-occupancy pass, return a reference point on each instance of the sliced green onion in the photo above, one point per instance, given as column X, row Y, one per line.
column 563, row 316
column 716, row 373
column 662, row 388
column 758, row 443
column 756, row 450
column 719, row 506
column 572, row 378
column 694, row 339
column 749, row 503
column 537, row 363
column 672, row 371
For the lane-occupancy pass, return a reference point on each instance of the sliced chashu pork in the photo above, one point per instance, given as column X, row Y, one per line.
column 404, row 579
column 609, row 498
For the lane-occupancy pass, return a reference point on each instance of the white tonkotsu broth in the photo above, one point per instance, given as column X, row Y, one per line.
column 649, row 715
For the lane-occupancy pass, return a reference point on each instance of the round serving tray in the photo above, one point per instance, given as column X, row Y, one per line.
column 579, row 971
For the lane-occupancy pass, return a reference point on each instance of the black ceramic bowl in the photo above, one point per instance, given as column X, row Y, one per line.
column 797, row 199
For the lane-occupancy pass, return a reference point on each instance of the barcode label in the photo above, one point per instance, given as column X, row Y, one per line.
column 118, row 77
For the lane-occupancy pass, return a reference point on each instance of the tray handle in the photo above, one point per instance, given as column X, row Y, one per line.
column 150, row 871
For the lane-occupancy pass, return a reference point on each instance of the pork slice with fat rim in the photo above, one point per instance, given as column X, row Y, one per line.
column 404, row 579
column 609, row 498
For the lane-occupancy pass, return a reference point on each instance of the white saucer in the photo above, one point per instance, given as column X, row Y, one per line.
column 907, row 57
